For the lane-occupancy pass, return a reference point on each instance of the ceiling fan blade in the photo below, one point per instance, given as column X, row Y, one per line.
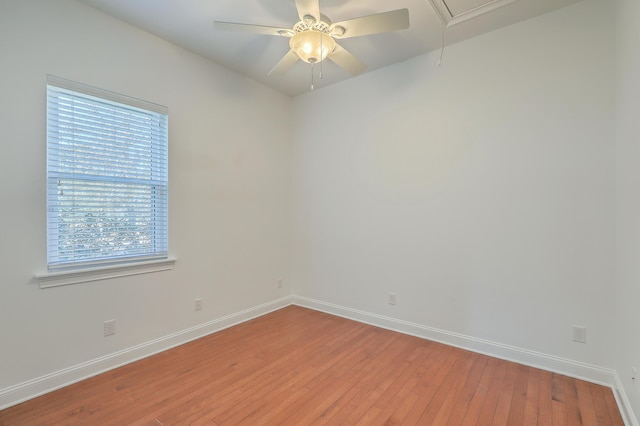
column 373, row 24
column 308, row 7
column 343, row 58
column 252, row 29
column 285, row 63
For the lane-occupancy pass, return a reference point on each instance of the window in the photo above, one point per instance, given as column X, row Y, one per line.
column 106, row 177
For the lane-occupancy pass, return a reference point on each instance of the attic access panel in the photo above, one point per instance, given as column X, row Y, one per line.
column 456, row 11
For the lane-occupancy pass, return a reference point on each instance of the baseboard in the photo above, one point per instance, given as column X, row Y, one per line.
column 30, row 389
column 623, row 403
column 543, row 361
column 578, row 370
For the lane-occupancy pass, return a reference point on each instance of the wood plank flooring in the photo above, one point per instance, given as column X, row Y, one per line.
column 298, row 366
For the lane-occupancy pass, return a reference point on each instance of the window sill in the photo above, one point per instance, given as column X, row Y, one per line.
column 57, row 279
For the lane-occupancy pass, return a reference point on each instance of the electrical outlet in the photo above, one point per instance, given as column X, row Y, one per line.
column 634, row 373
column 392, row 298
column 579, row 334
column 109, row 328
column 198, row 304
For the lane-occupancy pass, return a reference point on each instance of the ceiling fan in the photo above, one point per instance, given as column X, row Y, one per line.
column 313, row 38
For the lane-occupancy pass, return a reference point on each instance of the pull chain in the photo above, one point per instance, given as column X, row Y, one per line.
column 321, row 56
column 442, row 49
column 312, row 76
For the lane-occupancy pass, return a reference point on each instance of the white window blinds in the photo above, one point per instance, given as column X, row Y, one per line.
column 106, row 177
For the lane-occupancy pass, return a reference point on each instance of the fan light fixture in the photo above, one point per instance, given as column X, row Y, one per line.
column 315, row 37
column 312, row 46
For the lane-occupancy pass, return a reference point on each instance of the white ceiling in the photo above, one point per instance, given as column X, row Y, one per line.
column 189, row 23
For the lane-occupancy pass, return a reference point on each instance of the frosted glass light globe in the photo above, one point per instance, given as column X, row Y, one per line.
column 312, row 46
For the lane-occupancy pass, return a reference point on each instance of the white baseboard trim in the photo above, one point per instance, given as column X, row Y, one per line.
column 591, row 373
column 32, row 388
column 579, row 370
column 623, row 403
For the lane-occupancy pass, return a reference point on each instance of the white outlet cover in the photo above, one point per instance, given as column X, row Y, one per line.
column 579, row 334
column 392, row 299
column 109, row 328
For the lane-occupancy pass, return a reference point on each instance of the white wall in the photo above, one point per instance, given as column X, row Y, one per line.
column 230, row 191
column 628, row 198
column 481, row 192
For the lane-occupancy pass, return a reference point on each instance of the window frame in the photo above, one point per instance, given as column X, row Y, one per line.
column 64, row 273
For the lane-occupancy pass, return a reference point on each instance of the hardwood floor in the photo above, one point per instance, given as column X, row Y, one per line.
column 298, row 366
